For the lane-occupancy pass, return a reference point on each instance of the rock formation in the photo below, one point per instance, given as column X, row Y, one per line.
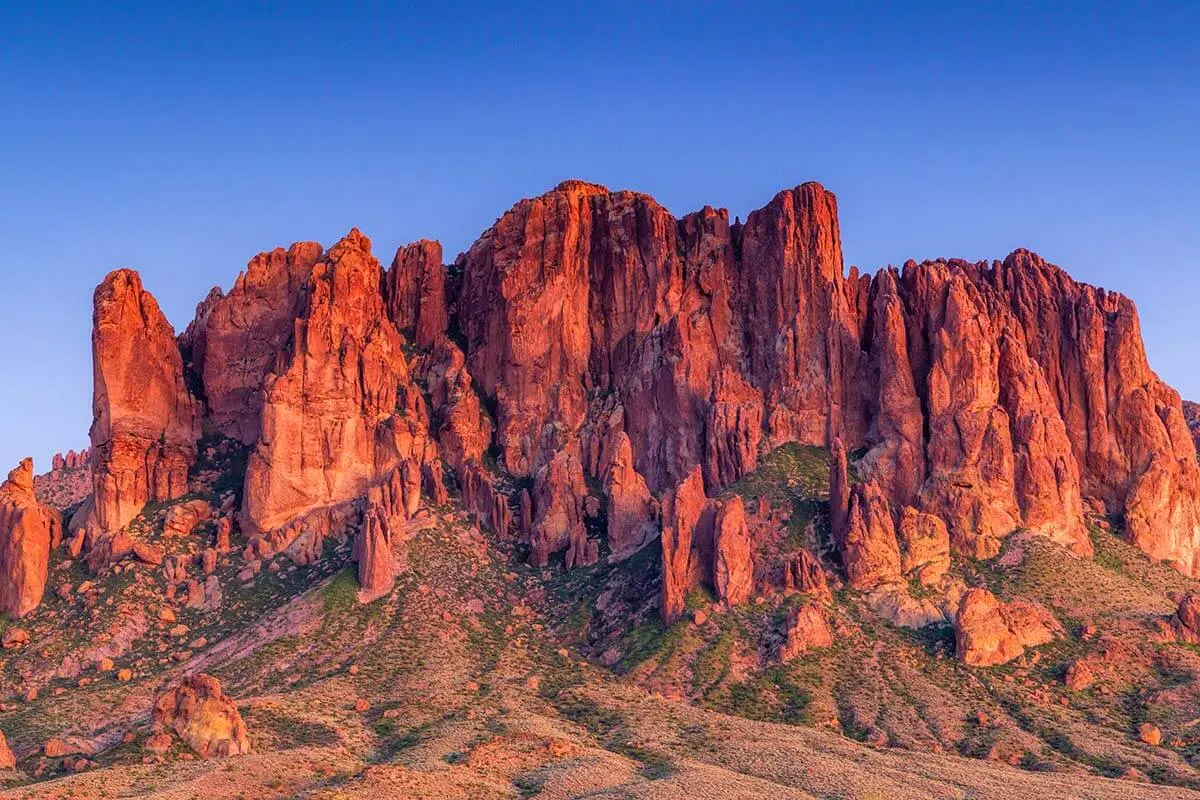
column 924, row 546
column 28, row 529
column 806, row 629
column 682, row 543
column 342, row 410
column 589, row 335
column 558, row 492
column 988, row 632
column 236, row 338
column 373, row 552
column 631, row 507
column 862, row 526
column 733, row 565
column 69, row 481
column 415, row 293
column 203, row 716
column 7, row 759
column 145, row 422
column 1186, row 621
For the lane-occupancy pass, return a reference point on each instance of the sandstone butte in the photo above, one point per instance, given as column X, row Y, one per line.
column 591, row 339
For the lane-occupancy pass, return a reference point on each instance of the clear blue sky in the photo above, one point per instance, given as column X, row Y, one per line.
column 181, row 141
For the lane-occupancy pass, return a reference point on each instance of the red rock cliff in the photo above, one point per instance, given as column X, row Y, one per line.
column 145, row 422
column 590, row 334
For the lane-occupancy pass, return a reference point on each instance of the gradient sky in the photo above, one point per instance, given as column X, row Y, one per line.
column 183, row 140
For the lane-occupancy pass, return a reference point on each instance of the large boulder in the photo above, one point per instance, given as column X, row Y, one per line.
column 990, row 632
column 806, row 629
column 203, row 716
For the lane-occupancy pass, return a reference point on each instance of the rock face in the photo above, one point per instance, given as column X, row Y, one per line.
column 145, row 422
column 27, row 531
column 235, row 339
column 863, row 527
column 924, row 546
column 590, row 338
column 203, row 717
column 988, row 632
column 415, row 292
column 342, row 410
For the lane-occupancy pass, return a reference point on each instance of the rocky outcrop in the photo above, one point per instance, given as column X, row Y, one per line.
column 183, row 518
column 584, row 289
column 735, row 429
column 558, row 492
column 69, row 481
column 733, row 564
column 924, row 546
column 145, row 422
column 373, row 553
column 203, row 716
column 632, row 510
column 682, row 543
column 862, row 526
column 463, row 427
column 1186, row 621
column 236, row 338
column 28, row 530
column 72, row 460
column 988, row 632
column 342, row 411
column 803, row 573
column 415, row 292
column 806, row 629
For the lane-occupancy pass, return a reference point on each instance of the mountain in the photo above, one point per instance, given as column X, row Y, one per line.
column 613, row 502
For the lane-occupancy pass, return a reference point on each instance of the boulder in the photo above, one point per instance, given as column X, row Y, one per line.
column 203, row 717
column 989, row 632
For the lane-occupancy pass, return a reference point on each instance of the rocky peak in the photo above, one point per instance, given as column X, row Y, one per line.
column 145, row 421
column 28, row 530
